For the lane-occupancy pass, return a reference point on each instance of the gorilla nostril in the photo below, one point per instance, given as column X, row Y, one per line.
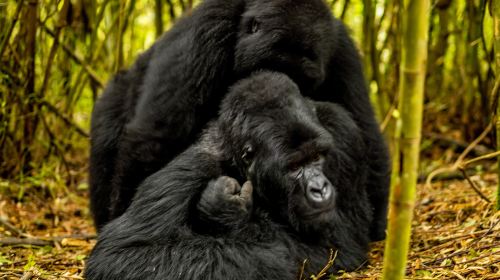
column 326, row 191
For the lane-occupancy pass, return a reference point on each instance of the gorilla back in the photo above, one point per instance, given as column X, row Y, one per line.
column 156, row 109
column 192, row 220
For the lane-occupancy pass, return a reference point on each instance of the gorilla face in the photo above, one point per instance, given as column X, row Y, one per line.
column 289, row 36
column 280, row 145
column 294, row 180
column 311, row 183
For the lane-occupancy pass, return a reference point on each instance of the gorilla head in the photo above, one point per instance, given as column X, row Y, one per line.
column 280, row 145
column 293, row 37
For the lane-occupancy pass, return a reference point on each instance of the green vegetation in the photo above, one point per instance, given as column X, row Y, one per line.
column 57, row 55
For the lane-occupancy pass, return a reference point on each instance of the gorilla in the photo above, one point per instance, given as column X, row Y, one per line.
column 153, row 111
column 304, row 174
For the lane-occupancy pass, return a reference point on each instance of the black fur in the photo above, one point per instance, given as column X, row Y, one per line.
column 191, row 221
column 153, row 111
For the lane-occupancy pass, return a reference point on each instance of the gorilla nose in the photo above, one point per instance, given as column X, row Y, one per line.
column 319, row 190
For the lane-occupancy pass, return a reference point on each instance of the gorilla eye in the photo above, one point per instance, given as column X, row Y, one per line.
column 253, row 26
column 248, row 153
column 316, row 157
column 294, row 167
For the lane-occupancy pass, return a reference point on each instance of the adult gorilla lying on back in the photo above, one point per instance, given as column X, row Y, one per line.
column 192, row 220
column 156, row 109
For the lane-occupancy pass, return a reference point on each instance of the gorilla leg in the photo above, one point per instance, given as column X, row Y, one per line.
column 111, row 113
column 107, row 125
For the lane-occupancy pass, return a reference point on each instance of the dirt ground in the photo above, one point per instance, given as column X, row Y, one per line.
column 456, row 235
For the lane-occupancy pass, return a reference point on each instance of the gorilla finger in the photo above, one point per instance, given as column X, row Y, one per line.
column 246, row 191
column 228, row 185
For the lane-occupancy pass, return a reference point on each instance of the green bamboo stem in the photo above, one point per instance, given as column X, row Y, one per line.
column 158, row 17
column 495, row 7
column 411, row 90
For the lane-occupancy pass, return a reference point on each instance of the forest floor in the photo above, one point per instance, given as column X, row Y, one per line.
column 456, row 235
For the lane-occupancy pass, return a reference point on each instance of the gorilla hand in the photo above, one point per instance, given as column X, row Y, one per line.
column 225, row 205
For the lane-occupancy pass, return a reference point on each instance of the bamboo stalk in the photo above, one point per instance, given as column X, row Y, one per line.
column 29, row 22
column 6, row 38
column 158, row 18
column 411, row 90
column 495, row 8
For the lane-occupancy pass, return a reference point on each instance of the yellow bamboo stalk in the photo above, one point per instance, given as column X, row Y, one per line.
column 495, row 7
column 411, row 91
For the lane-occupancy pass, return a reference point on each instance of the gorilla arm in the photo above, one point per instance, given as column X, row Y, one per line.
column 154, row 238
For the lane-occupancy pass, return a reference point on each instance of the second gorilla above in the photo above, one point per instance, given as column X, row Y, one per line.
column 153, row 111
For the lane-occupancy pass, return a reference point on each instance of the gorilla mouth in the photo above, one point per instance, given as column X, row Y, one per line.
column 319, row 194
